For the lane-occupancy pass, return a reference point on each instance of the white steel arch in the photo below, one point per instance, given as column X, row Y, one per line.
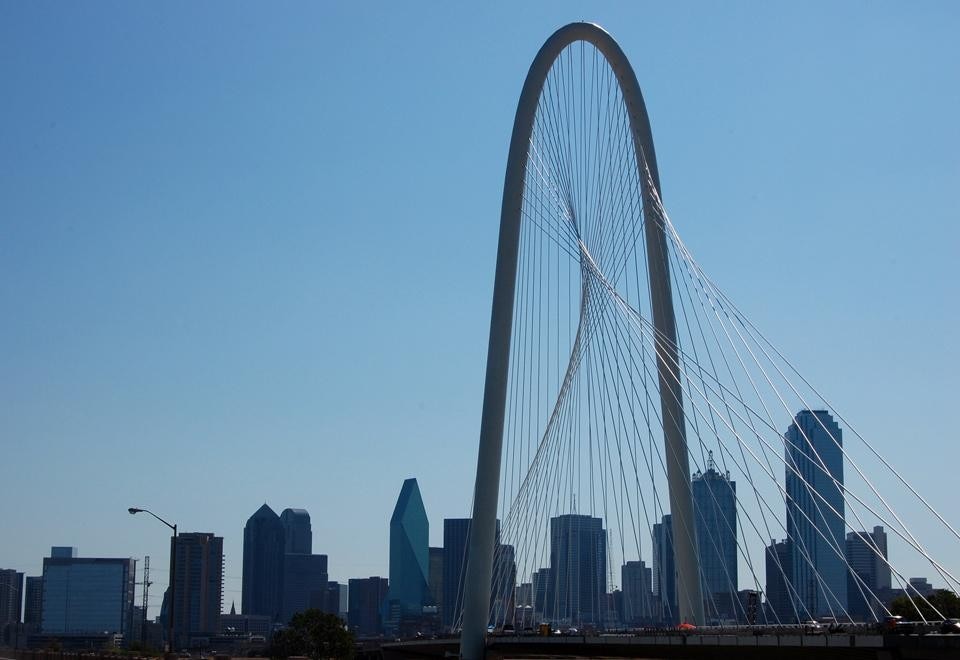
column 483, row 528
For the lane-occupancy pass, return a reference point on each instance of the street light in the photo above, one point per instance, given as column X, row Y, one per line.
column 173, row 565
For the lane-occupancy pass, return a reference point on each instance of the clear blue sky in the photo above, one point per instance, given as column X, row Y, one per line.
column 246, row 250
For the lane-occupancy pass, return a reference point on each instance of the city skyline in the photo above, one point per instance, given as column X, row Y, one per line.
column 97, row 377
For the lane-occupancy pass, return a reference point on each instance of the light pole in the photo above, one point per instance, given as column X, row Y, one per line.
column 173, row 566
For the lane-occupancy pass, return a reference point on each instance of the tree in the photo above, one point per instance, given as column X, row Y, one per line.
column 314, row 634
column 942, row 600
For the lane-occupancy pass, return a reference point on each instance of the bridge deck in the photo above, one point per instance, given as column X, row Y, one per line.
column 782, row 647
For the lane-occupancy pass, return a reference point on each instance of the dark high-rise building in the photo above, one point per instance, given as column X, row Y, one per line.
column 304, row 582
column 435, row 579
column 456, row 546
column 715, row 516
column 503, row 584
column 11, row 595
column 637, row 580
column 664, row 570
column 298, row 535
column 523, row 595
column 409, row 554
column 578, row 564
column 329, row 600
column 263, row 549
column 779, row 563
column 543, row 595
column 456, row 534
column 84, row 595
column 866, row 554
column 198, row 578
column 367, row 596
column 33, row 601
column 815, row 513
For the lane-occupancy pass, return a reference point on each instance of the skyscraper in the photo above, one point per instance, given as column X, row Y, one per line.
column 435, row 578
column 815, row 514
column 263, row 546
column 866, row 554
column 664, row 570
column 456, row 547
column 456, row 532
column 715, row 516
column 543, row 595
column 304, row 583
column 503, row 583
column 33, row 601
column 366, row 599
column 11, row 595
column 409, row 554
column 83, row 595
column 298, row 534
column 199, row 586
column 779, row 563
column 578, row 565
column 636, row 580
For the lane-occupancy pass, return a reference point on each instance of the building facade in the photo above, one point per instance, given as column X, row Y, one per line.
column 33, row 600
column 198, row 579
column 366, row 599
column 636, row 580
column 456, row 535
column 304, row 584
column 779, row 564
column 409, row 555
column 503, row 584
column 869, row 574
column 435, row 578
column 263, row 549
column 815, row 514
column 297, row 532
column 578, row 565
column 715, row 516
column 87, row 595
column 11, row 596
column 664, row 570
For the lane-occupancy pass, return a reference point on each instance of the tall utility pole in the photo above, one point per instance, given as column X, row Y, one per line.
column 173, row 572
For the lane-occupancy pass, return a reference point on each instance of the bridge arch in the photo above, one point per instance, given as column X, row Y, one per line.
column 483, row 529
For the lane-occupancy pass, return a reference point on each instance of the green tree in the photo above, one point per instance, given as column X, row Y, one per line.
column 942, row 600
column 315, row 635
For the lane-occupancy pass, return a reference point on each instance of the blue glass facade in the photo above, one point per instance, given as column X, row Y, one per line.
column 409, row 552
column 815, row 514
column 715, row 515
column 87, row 595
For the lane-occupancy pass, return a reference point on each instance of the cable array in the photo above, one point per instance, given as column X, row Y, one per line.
column 583, row 492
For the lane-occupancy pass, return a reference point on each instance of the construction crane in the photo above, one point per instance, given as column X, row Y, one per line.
column 146, row 592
